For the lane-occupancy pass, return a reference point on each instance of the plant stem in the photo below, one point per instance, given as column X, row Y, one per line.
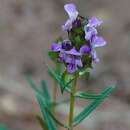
column 72, row 101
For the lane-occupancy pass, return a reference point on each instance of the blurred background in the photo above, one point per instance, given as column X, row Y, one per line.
column 27, row 28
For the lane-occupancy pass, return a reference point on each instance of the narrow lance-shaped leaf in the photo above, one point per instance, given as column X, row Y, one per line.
column 46, row 93
column 57, row 121
column 48, row 120
column 58, row 79
column 48, row 115
column 35, row 88
column 79, row 118
column 85, row 95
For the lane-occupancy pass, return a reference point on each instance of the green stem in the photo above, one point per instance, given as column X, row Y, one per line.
column 72, row 101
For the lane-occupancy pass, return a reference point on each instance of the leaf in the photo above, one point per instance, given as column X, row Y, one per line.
column 86, row 95
column 58, row 78
column 41, row 122
column 79, row 118
column 35, row 88
column 46, row 93
column 58, row 122
column 53, row 56
column 48, row 120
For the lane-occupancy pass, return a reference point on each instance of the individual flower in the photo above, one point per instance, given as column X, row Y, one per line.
column 91, row 36
column 72, row 13
column 90, row 28
column 89, row 32
column 85, row 49
column 73, row 60
column 94, row 22
column 55, row 47
column 97, row 42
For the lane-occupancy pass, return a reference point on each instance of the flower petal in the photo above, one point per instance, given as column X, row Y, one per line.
column 72, row 60
column 94, row 22
column 67, row 26
column 72, row 11
column 89, row 32
column 62, row 56
column 78, row 62
column 74, row 52
column 71, row 68
column 55, row 47
column 94, row 56
column 85, row 49
column 98, row 42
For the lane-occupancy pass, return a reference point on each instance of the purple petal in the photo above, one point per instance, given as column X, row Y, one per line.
column 85, row 49
column 94, row 56
column 94, row 22
column 72, row 11
column 98, row 42
column 55, row 47
column 78, row 62
column 73, row 60
column 67, row 26
column 62, row 56
column 70, row 60
column 71, row 68
column 89, row 32
column 73, row 51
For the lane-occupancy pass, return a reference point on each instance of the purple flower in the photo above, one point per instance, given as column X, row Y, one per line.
column 85, row 49
column 72, row 13
column 55, row 47
column 98, row 42
column 72, row 68
column 94, row 22
column 74, row 52
column 73, row 60
column 89, row 32
column 94, row 56
column 90, row 28
column 91, row 36
column 73, row 63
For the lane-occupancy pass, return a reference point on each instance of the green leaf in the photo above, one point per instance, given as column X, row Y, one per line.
column 57, row 121
column 48, row 120
column 53, row 56
column 46, row 93
column 35, row 88
column 79, row 118
column 41, row 122
column 58, row 78
column 85, row 95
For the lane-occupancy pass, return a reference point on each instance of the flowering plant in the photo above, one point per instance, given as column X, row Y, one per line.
column 76, row 56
